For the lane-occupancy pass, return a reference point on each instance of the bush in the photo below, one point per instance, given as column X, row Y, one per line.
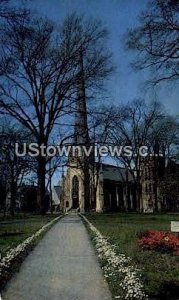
column 160, row 241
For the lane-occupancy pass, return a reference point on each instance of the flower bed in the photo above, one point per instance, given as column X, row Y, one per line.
column 15, row 256
column 159, row 241
column 124, row 279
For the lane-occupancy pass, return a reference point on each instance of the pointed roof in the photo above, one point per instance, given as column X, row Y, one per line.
column 81, row 135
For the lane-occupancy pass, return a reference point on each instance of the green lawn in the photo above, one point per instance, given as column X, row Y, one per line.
column 160, row 271
column 15, row 230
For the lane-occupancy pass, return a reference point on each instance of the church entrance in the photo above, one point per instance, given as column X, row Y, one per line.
column 75, row 192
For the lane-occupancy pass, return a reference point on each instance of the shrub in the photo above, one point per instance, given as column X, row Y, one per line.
column 160, row 241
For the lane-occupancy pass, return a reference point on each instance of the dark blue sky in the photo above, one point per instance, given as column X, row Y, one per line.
column 118, row 16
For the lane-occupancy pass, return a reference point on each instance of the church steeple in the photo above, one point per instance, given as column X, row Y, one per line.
column 81, row 134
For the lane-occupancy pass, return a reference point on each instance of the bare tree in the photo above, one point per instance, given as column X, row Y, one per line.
column 40, row 70
column 132, row 126
column 8, row 12
column 140, row 124
column 13, row 168
column 156, row 40
column 100, row 126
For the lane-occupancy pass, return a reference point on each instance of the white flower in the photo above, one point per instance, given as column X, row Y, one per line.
column 118, row 267
column 6, row 261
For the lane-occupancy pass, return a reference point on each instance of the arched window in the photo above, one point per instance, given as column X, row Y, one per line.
column 75, row 192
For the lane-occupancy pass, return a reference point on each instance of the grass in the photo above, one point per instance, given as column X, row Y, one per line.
column 14, row 231
column 160, row 271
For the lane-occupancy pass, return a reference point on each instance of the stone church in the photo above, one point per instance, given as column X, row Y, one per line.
column 88, row 185
column 91, row 186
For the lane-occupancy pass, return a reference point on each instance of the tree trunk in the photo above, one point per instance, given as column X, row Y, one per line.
column 13, row 197
column 155, row 186
column 138, row 186
column 138, row 202
column 41, row 171
column 50, row 190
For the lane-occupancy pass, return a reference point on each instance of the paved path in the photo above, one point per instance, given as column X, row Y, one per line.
column 63, row 266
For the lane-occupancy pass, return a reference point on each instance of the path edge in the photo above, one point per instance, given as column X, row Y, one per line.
column 12, row 261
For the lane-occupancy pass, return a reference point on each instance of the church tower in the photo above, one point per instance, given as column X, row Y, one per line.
column 77, row 183
column 81, row 134
column 153, row 170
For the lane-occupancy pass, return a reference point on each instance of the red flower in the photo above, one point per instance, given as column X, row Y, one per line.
column 159, row 240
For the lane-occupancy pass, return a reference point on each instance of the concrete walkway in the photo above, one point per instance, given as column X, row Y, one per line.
column 63, row 266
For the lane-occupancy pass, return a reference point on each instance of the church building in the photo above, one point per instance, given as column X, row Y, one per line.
column 88, row 185
column 91, row 186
